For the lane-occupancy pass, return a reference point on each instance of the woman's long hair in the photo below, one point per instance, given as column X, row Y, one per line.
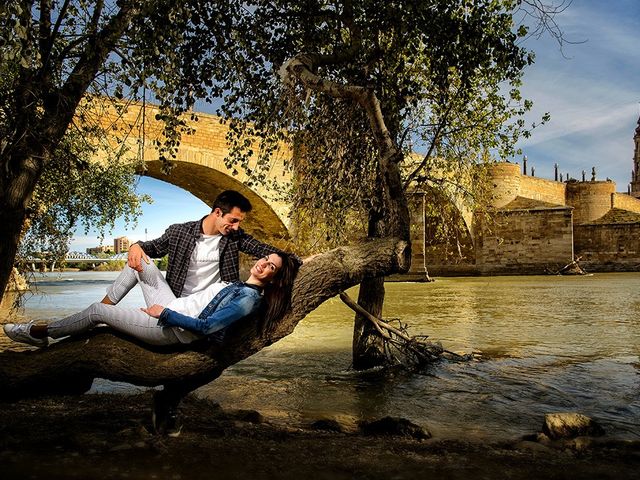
column 277, row 293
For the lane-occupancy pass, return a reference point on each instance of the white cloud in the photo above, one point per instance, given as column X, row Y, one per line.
column 592, row 95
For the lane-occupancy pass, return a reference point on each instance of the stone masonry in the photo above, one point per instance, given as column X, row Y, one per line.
column 534, row 224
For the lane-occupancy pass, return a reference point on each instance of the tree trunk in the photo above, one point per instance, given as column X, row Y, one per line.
column 23, row 169
column 71, row 365
column 390, row 217
column 11, row 221
column 368, row 346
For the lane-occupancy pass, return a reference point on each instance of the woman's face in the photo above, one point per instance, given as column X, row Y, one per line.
column 266, row 268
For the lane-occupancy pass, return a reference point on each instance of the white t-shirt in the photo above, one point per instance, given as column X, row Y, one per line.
column 195, row 303
column 204, row 266
column 193, row 306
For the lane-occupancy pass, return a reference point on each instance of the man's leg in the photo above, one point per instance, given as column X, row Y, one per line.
column 121, row 286
column 155, row 288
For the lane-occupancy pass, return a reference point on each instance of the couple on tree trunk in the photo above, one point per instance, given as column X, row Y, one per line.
column 201, row 296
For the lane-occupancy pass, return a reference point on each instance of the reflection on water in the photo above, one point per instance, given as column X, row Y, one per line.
column 548, row 344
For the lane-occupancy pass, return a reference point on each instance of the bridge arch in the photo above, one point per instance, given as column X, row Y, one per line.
column 441, row 231
column 199, row 165
column 206, row 183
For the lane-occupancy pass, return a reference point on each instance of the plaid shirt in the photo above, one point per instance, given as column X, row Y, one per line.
column 179, row 241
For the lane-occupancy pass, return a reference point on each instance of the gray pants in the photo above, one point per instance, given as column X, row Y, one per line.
column 131, row 321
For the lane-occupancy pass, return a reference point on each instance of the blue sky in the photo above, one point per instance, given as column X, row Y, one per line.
column 592, row 92
column 591, row 89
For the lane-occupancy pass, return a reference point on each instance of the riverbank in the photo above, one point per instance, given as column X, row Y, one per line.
column 107, row 437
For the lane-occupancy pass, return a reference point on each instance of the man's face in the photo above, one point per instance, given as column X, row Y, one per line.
column 266, row 268
column 225, row 224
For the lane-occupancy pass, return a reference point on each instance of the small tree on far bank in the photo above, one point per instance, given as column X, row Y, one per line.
column 76, row 192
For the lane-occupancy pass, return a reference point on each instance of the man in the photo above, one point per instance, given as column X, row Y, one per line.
column 205, row 251
column 200, row 253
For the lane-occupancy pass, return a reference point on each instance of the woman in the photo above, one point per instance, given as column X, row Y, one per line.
column 168, row 320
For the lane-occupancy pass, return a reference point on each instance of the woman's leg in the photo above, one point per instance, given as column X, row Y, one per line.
column 131, row 321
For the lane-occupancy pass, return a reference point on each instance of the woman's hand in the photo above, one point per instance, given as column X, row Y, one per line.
column 153, row 310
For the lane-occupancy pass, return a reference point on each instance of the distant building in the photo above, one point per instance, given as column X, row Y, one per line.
column 121, row 244
column 100, row 249
column 635, row 173
column 532, row 226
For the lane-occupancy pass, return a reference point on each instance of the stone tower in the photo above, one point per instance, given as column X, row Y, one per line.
column 635, row 175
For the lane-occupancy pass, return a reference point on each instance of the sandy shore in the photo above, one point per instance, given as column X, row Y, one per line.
column 107, row 436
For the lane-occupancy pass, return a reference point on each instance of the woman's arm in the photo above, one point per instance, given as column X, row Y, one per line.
column 222, row 317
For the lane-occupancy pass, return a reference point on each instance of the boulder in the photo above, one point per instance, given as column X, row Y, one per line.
column 570, row 425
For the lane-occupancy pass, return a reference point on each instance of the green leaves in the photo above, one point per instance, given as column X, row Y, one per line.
column 75, row 191
column 446, row 74
column 438, row 68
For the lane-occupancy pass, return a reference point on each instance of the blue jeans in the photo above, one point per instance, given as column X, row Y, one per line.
column 232, row 303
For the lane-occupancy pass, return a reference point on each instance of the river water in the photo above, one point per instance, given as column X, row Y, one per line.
column 545, row 344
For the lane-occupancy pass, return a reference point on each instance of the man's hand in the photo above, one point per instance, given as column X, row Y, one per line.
column 135, row 257
column 153, row 310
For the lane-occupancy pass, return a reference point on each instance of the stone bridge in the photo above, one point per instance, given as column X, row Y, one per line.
column 199, row 165
column 200, row 170
column 542, row 206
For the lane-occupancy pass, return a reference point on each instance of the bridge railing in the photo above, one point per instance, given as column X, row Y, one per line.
column 74, row 257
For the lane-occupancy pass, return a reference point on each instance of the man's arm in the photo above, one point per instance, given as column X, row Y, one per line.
column 140, row 251
column 250, row 245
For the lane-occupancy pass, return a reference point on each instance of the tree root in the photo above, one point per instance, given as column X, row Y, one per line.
column 400, row 347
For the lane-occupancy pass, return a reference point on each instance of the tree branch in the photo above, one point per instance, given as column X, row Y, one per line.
column 47, row 43
column 302, row 68
column 434, row 141
column 70, row 366
column 61, row 108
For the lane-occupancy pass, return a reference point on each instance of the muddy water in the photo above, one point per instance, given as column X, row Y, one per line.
column 546, row 344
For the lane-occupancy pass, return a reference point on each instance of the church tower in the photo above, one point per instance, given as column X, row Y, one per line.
column 635, row 174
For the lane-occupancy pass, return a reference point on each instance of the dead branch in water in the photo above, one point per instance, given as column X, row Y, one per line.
column 571, row 268
column 415, row 350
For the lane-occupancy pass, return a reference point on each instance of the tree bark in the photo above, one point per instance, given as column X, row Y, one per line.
column 71, row 365
column 11, row 221
column 368, row 346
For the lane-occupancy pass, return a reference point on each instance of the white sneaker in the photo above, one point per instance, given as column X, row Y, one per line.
column 19, row 332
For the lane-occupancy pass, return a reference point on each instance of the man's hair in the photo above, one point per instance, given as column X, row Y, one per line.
column 229, row 199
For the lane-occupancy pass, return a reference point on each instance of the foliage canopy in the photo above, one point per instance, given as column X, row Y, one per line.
column 444, row 76
column 446, row 73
